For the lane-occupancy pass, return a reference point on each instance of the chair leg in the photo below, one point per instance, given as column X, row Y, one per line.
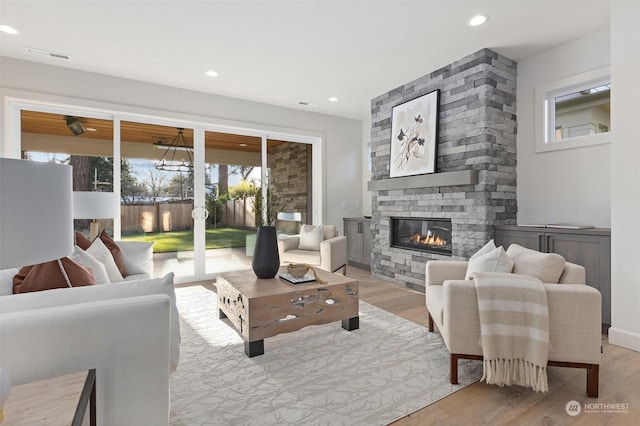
column 453, row 365
column 430, row 322
column 344, row 271
column 592, row 380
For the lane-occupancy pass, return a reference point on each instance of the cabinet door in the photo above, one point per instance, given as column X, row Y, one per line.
column 366, row 242
column 592, row 252
column 529, row 239
column 354, row 240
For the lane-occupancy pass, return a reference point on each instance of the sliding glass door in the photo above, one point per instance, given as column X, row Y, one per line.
column 192, row 189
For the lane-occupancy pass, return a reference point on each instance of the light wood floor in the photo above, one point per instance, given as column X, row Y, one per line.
column 481, row 404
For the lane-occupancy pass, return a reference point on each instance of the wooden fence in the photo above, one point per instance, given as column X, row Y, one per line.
column 165, row 217
column 159, row 217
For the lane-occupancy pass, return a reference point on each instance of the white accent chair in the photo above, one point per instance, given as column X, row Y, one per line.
column 332, row 255
column 575, row 313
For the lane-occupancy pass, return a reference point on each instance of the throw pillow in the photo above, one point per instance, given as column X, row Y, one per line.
column 115, row 252
column 6, row 281
column 85, row 259
column 489, row 259
column 47, row 276
column 547, row 267
column 102, row 253
column 82, row 241
column 310, row 237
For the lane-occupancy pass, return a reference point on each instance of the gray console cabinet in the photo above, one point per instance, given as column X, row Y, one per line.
column 590, row 248
column 358, row 233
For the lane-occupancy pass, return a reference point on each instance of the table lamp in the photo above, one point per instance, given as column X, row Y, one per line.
column 36, row 224
column 94, row 206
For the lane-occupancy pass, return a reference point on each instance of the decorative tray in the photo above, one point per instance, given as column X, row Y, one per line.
column 305, row 279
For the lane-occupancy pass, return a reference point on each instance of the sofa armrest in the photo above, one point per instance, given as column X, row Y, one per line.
column 125, row 340
column 137, row 256
column 575, row 317
column 61, row 297
column 333, row 253
column 438, row 271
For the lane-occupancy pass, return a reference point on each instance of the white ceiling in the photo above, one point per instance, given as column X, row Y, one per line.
column 282, row 52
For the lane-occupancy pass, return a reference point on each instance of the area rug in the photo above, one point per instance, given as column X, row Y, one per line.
column 319, row 375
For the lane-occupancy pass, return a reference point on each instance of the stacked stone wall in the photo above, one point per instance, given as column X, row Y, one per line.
column 477, row 130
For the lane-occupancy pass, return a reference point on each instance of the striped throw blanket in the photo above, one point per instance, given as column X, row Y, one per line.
column 514, row 328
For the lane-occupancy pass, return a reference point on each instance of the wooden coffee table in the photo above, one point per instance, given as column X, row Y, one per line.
column 260, row 308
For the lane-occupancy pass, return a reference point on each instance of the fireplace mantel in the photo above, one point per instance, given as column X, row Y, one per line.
column 460, row 177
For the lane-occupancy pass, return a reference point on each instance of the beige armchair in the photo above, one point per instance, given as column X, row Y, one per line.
column 574, row 318
column 330, row 256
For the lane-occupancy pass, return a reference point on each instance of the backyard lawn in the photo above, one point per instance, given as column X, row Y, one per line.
column 183, row 240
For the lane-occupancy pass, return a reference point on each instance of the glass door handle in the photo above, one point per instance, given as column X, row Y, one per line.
column 199, row 213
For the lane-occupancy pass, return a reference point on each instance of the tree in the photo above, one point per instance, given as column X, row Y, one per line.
column 131, row 191
column 180, row 186
column 223, row 179
column 157, row 186
column 82, row 173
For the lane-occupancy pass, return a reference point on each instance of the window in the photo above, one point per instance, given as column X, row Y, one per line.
column 574, row 112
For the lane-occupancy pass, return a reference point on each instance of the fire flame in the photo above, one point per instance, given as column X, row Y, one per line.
column 428, row 239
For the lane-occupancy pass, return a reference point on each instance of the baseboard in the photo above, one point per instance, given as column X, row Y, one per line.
column 624, row 338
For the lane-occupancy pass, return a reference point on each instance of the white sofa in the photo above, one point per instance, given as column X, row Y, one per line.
column 128, row 331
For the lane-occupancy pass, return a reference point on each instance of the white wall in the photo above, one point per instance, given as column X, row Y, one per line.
column 571, row 185
column 625, row 175
column 342, row 166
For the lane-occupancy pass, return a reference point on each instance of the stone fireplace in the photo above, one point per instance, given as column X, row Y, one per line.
column 474, row 187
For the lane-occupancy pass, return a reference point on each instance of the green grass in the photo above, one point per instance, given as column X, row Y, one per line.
column 183, row 240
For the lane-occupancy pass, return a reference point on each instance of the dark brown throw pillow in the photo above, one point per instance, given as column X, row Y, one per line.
column 47, row 276
column 82, row 241
column 115, row 252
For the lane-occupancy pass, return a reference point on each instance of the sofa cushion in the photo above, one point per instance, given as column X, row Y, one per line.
column 85, row 259
column 329, row 231
column 115, row 252
column 302, row 256
column 82, row 241
column 102, row 253
column 547, row 267
column 47, row 276
column 311, row 237
column 138, row 257
column 489, row 259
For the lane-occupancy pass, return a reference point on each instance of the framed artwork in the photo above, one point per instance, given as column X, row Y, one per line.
column 414, row 136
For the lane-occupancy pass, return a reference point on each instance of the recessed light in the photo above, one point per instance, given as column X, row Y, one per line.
column 90, row 129
column 478, row 20
column 212, row 73
column 8, row 30
column 243, row 145
column 333, row 99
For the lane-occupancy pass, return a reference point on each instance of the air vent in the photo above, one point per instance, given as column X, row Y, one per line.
column 307, row 104
column 42, row 52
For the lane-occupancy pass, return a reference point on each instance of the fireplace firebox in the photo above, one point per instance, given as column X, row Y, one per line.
column 428, row 235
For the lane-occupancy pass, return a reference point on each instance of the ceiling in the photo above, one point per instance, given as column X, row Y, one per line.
column 140, row 133
column 284, row 52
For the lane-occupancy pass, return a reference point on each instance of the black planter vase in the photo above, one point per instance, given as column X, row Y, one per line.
column 266, row 260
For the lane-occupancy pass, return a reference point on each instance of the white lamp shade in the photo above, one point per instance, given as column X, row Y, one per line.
column 94, row 205
column 36, row 223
